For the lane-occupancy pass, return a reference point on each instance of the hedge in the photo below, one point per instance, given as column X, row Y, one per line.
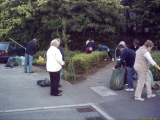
column 156, row 57
column 83, row 62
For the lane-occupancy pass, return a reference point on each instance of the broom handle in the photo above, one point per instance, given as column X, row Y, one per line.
column 17, row 43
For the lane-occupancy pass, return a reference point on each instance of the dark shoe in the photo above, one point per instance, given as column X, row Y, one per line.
column 58, row 94
column 25, row 72
column 59, row 91
column 31, row 72
column 60, row 86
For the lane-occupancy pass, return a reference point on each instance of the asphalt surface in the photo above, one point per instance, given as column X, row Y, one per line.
column 22, row 99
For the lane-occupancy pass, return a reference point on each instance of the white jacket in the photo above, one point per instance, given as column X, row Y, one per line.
column 54, row 59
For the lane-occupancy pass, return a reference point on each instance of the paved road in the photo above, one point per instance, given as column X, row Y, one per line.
column 21, row 98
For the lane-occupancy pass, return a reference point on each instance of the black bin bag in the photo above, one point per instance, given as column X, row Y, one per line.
column 43, row 82
column 117, row 79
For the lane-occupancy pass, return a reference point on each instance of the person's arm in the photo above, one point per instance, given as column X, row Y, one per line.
column 147, row 55
column 61, row 50
column 123, row 57
column 98, row 49
column 107, row 49
column 59, row 57
column 34, row 48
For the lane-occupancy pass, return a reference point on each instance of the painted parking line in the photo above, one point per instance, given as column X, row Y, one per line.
column 105, row 115
column 103, row 91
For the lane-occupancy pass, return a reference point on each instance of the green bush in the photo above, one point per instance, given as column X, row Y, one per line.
column 81, row 63
column 156, row 57
column 40, row 53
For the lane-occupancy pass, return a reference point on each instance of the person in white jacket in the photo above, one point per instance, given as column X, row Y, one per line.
column 53, row 66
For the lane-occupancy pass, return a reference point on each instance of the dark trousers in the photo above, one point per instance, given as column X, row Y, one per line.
column 55, row 78
column 109, row 53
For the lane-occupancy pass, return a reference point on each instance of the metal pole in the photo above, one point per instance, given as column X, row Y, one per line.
column 17, row 43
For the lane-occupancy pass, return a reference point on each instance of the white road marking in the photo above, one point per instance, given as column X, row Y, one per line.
column 105, row 115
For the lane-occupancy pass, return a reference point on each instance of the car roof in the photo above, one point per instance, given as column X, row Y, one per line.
column 5, row 42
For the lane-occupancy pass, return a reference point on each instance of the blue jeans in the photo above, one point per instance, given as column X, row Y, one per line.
column 61, row 72
column 28, row 61
column 130, row 75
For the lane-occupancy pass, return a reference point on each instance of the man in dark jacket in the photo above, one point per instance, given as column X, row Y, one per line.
column 128, row 56
column 31, row 49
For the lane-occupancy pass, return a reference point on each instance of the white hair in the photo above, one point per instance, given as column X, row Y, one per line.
column 58, row 40
column 55, row 43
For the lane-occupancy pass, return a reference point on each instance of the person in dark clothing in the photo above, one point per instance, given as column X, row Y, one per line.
column 62, row 52
column 90, row 46
column 31, row 49
column 134, row 46
column 128, row 56
column 105, row 48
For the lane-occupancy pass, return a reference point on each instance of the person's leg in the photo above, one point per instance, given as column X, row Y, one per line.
column 61, row 72
column 51, row 83
column 56, row 82
column 140, row 84
column 109, row 53
column 30, row 63
column 26, row 62
column 130, row 75
column 86, row 50
column 148, row 85
column 125, row 76
column 151, row 76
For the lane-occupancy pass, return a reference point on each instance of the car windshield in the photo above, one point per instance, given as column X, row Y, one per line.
column 3, row 46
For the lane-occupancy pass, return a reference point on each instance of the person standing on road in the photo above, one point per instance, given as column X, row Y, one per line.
column 128, row 56
column 105, row 48
column 62, row 52
column 142, row 63
column 54, row 65
column 31, row 49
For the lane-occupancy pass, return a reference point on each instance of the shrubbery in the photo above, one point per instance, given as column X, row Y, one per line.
column 76, row 62
column 84, row 62
column 156, row 58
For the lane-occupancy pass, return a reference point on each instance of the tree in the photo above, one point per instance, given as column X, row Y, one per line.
column 148, row 15
column 75, row 20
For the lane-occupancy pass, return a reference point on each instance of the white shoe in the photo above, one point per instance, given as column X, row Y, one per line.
column 151, row 95
column 112, row 59
column 126, row 84
column 129, row 89
column 140, row 99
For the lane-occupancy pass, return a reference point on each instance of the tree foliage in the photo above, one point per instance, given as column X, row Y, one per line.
column 147, row 16
column 73, row 20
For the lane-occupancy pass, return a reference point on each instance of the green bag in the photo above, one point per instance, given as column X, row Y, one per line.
column 117, row 79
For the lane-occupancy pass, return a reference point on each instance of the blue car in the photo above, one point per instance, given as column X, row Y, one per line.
column 10, row 49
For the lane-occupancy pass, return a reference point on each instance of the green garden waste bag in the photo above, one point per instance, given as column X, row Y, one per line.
column 117, row 79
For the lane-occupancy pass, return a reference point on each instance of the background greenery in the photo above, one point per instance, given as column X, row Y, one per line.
column 155, row 72
column 74, row 21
